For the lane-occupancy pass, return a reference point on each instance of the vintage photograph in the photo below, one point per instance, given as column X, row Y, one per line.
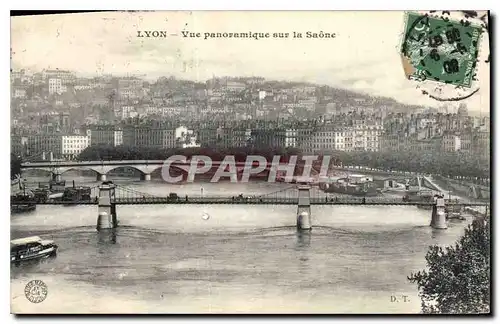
column 250, row 162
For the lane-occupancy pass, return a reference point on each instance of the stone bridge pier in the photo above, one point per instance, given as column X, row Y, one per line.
column 145, row 176
column 438, row 218
column 57, row 176
column 106, row 218
column 304, row 209
column 101, row 177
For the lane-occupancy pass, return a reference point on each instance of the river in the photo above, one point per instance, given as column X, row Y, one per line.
column 242, row 259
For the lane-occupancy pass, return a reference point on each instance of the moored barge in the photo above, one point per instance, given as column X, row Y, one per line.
column 354, row 184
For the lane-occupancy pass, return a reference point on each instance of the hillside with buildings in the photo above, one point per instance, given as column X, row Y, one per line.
column 57, row 111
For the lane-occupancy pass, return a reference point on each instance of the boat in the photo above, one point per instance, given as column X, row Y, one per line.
column 76, row 194
column 354, row 184
column 56, row 196
column 22, row 202
column 455, row 215
column 421, row 196
column 53, row 186
column 30, row 248
column 455, row 212
column 22, row 208
column 57, row 186
column 391, row 187
column 41, row 195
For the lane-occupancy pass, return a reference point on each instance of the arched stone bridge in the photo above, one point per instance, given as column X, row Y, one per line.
column 102, row 168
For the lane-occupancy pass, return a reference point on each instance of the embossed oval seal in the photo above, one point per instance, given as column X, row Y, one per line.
column 36, row 291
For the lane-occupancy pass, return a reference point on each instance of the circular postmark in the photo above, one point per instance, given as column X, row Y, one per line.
column 442, row 53
column 36, row 291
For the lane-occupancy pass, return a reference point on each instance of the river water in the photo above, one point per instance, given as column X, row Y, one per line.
column 242, row 259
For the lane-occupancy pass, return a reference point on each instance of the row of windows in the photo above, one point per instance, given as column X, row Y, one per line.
column 152, row 136
column 326, row 146
column 330, row 134
column 347, row 149
column 333, row 134
column 72, row 151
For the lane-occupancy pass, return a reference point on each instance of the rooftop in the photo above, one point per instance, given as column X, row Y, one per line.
column 26, row 240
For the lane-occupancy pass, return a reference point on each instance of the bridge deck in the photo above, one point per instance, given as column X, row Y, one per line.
column 253, row 201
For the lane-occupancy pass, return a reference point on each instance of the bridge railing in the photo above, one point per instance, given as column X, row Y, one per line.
column 83, row 163
column 325, row 200
column 205, row 200
column 278, row 199
column 27, row 165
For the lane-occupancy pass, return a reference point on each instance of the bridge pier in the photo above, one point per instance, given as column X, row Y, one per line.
column 56, row 177
column 304, row 209
column 107, row 218
column 438, row 218
column 101, row 177
column 145, row 177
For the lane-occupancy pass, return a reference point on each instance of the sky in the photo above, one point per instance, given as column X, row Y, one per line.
column 364, row 56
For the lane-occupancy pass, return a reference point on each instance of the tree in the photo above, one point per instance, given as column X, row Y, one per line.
column 458, row 277
column 15, row 166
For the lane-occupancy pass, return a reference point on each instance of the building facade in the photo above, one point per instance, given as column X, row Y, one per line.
column 56, row 86
column 38, row 144
column 149, row 136
column 106, row 135
column 73, row 145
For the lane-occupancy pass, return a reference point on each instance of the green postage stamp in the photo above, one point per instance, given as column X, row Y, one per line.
column 439, row 49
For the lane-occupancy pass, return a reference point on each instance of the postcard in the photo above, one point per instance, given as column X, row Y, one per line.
column 250, row 162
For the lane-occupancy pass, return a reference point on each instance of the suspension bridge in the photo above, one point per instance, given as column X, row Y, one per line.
column 124, row 195
column 108, row 196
